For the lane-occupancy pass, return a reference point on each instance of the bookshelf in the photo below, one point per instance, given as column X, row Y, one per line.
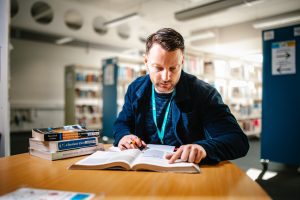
column 83, row 96
column 118, row 73
column 239, row 83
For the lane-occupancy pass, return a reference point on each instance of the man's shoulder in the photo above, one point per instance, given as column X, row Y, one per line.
column 139, row 81
column 196, row 88
column 195, row 82
column 139, row 84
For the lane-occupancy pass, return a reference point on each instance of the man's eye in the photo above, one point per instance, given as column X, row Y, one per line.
column 159, row 68
column 172, row 69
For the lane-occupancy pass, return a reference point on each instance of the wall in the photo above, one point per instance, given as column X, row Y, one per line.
column 4, row 104
column 37, row 80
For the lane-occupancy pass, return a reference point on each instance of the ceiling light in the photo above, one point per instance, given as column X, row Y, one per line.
column 278, row 20
column 201, row 36
column 121, row 20
column 64, row 40
column 208, row 8
column 43, row 14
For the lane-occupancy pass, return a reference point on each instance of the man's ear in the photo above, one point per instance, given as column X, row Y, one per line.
column 145, row 59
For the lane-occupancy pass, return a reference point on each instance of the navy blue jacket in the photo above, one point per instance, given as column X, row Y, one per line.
column 199, row 116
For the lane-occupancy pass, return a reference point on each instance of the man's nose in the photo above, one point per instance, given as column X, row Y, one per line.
column 165, row 75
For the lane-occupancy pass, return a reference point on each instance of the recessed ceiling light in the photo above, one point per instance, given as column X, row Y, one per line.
column 64, row 40
column 121, row 20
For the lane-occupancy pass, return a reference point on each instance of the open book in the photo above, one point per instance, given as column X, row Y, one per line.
column 152, row 158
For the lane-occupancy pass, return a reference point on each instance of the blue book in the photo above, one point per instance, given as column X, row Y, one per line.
column 62, row 145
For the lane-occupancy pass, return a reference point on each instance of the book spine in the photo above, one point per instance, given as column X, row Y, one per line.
column 76, row 152
column 69, row 136
column 75, row 144
column 62, row 145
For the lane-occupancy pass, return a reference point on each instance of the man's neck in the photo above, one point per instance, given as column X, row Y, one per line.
column 163, row 92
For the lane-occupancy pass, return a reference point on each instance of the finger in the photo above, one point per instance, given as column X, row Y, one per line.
column 127, row 145
column 192, row 155
column 138, row 142
column 133, row 144
column 143, row 143
column 199, row 156
column 176, row 155
column 122, row 147
column 122, row 143
column 169, row 156
column 185, row 153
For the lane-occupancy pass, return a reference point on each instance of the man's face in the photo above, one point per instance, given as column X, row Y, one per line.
column 164, row 67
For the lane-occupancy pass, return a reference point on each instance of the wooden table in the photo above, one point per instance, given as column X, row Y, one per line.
column 223, row 181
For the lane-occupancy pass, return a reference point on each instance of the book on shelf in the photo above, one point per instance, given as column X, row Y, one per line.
column 149, row 159
column 63, row 133
column 35, row 194
column 65, row 154
column 62, row 145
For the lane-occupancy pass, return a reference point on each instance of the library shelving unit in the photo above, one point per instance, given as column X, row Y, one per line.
column 118, row 73
column 83, row 96
column 239, row 83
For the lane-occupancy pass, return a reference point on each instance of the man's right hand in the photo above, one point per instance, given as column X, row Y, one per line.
column 131, row 142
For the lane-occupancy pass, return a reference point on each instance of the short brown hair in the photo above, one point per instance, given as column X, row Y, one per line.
column 168, row 38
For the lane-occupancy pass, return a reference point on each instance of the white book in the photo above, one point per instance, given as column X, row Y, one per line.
column 152, row 159
column 42, row 194
column 66, row 154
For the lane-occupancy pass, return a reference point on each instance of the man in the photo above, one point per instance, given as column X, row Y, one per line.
column 171, row 107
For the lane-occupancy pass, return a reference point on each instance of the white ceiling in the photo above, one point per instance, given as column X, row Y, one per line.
column 236, row 35
column 161, row 12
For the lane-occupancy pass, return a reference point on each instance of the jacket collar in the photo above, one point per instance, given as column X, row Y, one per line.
column 182, row 89
column 143, row 88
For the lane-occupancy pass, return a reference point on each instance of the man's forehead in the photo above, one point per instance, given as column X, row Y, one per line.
column 173, row 64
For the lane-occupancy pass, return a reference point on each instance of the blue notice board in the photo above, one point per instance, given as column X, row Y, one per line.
column 110, row 72
column 280, row 137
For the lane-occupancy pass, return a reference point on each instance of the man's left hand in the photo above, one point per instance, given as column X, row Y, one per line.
column 192, row 153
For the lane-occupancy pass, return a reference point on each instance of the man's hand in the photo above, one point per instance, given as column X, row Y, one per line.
column 192, row 153
column 131, row 142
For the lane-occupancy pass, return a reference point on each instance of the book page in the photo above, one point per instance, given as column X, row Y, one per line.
column 106, row 157
column 165, row 148
column 158, row 157
column 160, row 147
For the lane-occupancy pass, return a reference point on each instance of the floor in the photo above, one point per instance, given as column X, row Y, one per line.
column 280, row 181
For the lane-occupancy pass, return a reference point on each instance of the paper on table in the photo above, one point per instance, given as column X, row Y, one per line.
column 41, row 194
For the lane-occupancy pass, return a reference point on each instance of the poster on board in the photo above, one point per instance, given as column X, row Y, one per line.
column 283, row 57
column 109, row 72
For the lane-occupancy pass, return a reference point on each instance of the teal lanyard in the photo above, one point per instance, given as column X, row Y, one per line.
column 161, row 132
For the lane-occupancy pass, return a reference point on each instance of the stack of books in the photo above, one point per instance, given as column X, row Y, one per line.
column 64, row 142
